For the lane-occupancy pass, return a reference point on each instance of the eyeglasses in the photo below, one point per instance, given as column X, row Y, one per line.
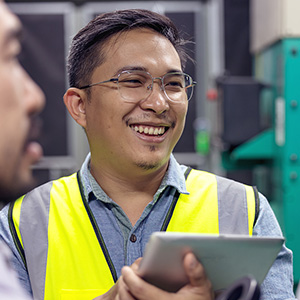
column 135, row 85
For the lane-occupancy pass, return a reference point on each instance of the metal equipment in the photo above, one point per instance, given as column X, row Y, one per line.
column 272, row 148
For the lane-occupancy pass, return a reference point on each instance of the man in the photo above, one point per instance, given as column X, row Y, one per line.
column 75, row 238
column 20, row 100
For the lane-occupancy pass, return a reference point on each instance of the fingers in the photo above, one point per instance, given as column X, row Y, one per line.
column 135, row 265
column 197, row 277
column 140, row 289
column 124, row 293
column 118, row 292
column 132, row 286
column 194, row 270
column 112, row 294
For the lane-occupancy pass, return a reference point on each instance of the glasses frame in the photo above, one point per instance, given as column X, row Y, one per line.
column 150, row 87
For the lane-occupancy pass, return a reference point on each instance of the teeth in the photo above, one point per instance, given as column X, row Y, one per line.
column 149, row 130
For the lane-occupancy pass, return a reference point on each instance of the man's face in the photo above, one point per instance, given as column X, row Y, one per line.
column 114, row 126
column 20, row 99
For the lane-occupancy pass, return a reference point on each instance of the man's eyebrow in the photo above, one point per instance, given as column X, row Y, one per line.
column 130, row 68
column 139, row 68
column 174, row 71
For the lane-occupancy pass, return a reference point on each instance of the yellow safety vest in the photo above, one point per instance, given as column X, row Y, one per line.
column 54, row 230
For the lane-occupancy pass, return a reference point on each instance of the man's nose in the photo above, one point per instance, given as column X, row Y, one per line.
column 34, row 96
column 157, row 100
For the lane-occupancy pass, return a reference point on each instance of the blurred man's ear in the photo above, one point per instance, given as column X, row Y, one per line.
column 75, row 101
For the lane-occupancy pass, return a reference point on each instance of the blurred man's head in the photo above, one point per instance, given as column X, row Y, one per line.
column 20, row 100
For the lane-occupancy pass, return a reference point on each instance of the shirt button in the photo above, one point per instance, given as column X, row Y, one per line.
column 133, row 238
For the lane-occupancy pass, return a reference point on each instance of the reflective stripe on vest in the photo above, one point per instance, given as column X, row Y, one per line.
column 214, row 205
column 63, row 253
column 56, row 228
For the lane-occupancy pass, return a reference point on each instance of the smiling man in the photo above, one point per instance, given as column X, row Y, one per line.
column 75, row 237
column 20, row 100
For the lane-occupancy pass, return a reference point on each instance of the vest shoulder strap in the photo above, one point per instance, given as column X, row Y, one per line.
column 55, row 217
column 214, row 205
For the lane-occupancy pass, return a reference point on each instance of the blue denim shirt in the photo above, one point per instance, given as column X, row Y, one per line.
column 117, row 230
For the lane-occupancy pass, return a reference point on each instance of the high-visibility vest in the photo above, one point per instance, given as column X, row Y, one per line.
column 62, row 247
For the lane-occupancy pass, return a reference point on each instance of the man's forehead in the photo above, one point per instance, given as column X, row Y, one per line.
column 10, row 26
column 131, row 37
column 122, row 36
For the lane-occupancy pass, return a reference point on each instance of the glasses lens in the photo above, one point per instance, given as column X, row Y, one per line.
column 134, row 85
column 178, row 86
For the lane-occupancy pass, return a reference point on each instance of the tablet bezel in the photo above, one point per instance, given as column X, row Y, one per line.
column 226, row 258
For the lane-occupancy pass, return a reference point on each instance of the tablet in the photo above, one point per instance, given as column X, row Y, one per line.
column 226, row 258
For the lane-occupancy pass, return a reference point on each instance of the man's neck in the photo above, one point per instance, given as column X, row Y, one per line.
column 131, row 192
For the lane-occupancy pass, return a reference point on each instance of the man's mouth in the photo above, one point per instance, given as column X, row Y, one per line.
column 35, row 128
column 33, row 135
column 150, row 130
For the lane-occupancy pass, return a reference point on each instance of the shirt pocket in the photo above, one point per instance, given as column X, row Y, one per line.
column 81, row 294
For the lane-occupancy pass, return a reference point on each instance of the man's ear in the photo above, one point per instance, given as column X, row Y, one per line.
column 75, row 101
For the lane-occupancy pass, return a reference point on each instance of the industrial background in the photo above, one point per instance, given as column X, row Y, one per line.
column 243, row 119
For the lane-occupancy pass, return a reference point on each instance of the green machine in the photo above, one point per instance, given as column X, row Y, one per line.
column 280, row 66
column 271, row 149
column 273, row 154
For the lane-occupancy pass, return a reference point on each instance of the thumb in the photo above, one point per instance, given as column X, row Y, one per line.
column 198, row 281
column 195, row 271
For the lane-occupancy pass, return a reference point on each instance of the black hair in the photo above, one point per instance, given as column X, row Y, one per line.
column 86, row 50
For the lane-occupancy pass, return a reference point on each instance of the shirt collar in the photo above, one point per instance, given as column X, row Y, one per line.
column 174, row 177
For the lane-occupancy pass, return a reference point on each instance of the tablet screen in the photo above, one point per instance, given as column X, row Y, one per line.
column 226, row 258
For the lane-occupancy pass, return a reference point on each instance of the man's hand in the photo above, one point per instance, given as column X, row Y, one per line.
column 120, row 290
column 199, row 287
column 131, row 287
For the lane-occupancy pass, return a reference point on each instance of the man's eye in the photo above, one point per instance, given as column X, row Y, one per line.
column 174, row 85
column 14, row 57
column 132, row 81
